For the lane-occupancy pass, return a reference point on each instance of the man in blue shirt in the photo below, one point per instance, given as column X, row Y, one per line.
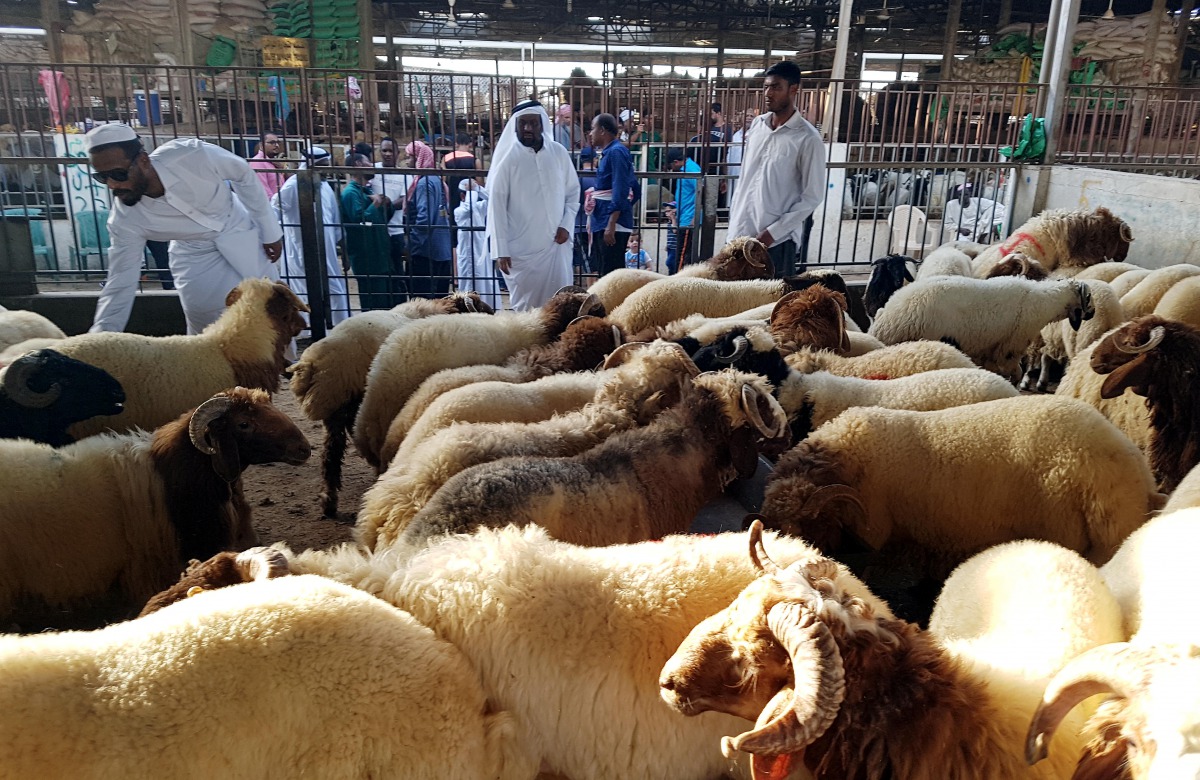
column 615, row 188
column 685, row 199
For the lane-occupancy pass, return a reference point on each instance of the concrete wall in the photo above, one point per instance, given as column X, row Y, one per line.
column 1162, row 211
column 155, row 313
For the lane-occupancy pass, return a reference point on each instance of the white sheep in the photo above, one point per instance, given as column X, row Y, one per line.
column 165, row 376
column 17, row 325
column 628, row 396
column 889, row 362
column 285, row 678
column 1060, row 342
column 127, row 510
column 837, row 687
column 1128, row 280
column 570, row 639
column 946, row 260
column 992, row 320
column 24, row 347
column 1146, row 294
column 617, row 285
column 813, row 399
column 677, row 297
column 1186, row 493
column 1182, row 302
column 411, row 355
column 1060, row 239
column 1101, row 272
column 1127, row 411
column 956, row 481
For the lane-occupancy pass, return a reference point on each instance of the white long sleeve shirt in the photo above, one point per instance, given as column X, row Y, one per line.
column 782, row 179
column 197, row 206
column 531, row 195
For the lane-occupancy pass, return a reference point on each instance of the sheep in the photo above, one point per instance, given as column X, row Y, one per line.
column 165, row 376
column 888, row 362
column 636, row 485
column 146, row 503
column 570, row 639
column 43, row 393
column 1146, row 294
column 1063, row 239
column 582, row 346
column 330, row 377
column 1101, row 272
column 843, row 691
column 1182, row 302
column 813, row 399
column 1060, row 343
column 675, row 298
column 814, row 318
column 1187, row 494
column 1125, row 282
column 631, row 395
column 1018, row 264
column 956, row 481
column 993, row 320
column 411, row 355
column 19, row 325
column 28, row 345
column 1158, row 359
column 293, row 677
column 888, row 274
column 1127, row 411
column 946, row 260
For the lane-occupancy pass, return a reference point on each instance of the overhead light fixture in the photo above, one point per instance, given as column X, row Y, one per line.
column 509, row 4
column 452, row 22
column 1109, row 13
column 884, row 14
column 702, row 42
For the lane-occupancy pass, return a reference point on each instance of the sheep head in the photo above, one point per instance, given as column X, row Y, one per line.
column 753, row 417
column 888, row 274
column 745, row 349
column 240, row 427
column 1150, row 728
column 566, row 306
column 282, row 305
column 740, row 259
column 815, row 317
column 1019, row 264
column 467, row 303
column 774, row 656
column 1131, row 354
column 1093, row 237
column 647, row 377
column 831, row 280
column 1081, row 308
column 45, row 378
column 808, row 496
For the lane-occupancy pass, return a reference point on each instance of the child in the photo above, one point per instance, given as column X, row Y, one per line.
column 635, row 256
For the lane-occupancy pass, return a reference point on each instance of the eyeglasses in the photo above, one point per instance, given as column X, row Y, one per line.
column 116, row 174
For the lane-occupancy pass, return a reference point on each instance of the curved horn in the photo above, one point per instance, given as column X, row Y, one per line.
column 777, row 413
column 592, row 301
column 797, row 717
column 1126, row 233
column 750, row 249
column 689, row 365
column 469, row 304
column 16, row 383
column 857, row 523
column 1157, row 334
column 758, row 553
column 570, row 288
column 261, row 563
column 617, row 338
column 1115, row 668
column 740, row 345
column 750, row 396
column 621, row 354
column 203, row 416
column 581, row 317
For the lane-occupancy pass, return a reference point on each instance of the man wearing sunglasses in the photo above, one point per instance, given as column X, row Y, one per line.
column 181, row 192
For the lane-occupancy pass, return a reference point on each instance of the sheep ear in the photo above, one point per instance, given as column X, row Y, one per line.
column 225, row 458
column 743, row 451
column 1103, row 759
column 1134, row 375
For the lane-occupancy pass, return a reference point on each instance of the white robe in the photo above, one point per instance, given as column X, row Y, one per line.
column 476, row 272
column 287, row 201
column 530, row 196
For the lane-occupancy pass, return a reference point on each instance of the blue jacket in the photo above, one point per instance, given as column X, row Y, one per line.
column 428, row 223
column 685, row 195
column 615, row 173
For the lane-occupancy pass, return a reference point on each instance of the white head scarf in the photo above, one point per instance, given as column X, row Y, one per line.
column 508, row 139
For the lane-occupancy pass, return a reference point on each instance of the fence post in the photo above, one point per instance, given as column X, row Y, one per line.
column 312, row 240
column 17, row 265
column 711, row 187
column 1060, row 68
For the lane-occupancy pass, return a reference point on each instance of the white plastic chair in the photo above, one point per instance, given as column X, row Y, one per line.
column 910, row 233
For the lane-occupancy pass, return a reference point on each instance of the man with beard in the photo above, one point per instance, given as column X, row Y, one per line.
column 782, row 176
column 181, row 193
column 534, row 195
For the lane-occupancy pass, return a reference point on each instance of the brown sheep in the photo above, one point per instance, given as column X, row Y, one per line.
column 221, row 571
column 1019, row 264
column 1061, row 239
column 815, row 317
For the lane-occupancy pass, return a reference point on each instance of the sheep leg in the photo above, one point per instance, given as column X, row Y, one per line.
column 337, row 430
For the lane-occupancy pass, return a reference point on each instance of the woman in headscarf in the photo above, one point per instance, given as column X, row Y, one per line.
column 427, row 225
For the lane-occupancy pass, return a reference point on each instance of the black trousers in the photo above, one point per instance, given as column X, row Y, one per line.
column 789, row 259
column 612, row 257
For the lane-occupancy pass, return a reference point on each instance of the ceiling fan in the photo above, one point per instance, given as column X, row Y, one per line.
column 882, row 14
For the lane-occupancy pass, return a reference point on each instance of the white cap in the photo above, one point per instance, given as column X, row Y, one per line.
column 464, row 185
column 113, row 133
column 625, row 114
column 316, row 154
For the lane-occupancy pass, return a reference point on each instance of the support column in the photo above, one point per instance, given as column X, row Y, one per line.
column 1060, row 67
column 950, row 44
column 52, row 21
column 1181, row 35
column 187, row 58
column 367, row 81
column 1005, row 17
column 1158, row 12
column 393, row 55
column 837, row 86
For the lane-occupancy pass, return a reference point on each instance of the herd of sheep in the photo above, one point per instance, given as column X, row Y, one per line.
column 944, row 577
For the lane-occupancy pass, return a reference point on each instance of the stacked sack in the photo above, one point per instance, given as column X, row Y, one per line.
column 245, row 15
column 292, row 19
column 1124, row 38
column 336, row 28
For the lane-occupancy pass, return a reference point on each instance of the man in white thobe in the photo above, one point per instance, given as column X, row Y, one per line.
column 181, row 193
column 533, row 194
column 287, row 202
column 475, row 267
column 782, row 176
column 970, row 218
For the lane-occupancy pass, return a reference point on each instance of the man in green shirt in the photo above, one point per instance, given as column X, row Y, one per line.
column 364, row 221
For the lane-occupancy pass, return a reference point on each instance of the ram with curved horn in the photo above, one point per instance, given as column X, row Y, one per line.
column 844, row 691
column 1157, row 359
column 43, row 393
column 639, row 484
column 1063, row 241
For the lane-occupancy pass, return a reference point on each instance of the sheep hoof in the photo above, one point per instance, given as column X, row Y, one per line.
column 329, row 505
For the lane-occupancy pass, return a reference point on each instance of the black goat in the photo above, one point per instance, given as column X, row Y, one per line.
column 45, row 392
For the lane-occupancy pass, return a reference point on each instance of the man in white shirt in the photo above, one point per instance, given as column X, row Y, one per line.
column 181, row 193
column 737, row 144
column 393, row 187
column 533, row 196
column 782, row 175
column 973, row 219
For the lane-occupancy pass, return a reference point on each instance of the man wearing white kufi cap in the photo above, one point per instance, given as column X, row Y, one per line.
column 181, row 193
column 533, row 196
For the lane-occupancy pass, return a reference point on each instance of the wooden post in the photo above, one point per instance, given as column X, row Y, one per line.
column 1005, row 14
column 1181, row 34
column 187, row 58
column 1158, row 12
column 52, row 21
column 950, row 43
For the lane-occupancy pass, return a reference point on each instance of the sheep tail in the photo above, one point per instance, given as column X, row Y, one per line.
column 337, row 430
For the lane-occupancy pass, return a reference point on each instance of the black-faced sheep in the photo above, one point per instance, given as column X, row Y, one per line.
column 330, row 377
column 953, row 482
column 293, row 677
column 1060, row 238
column 164, row 377
column 1159, row 360
column 129, row 510
column 17, row 325
column 630, row 395
column 571, row 639
column 43, row 393
column 582, row 346
column 888, row 274
column 636, row 485
column 992, row 320
column 411, row 355
column 842, row 691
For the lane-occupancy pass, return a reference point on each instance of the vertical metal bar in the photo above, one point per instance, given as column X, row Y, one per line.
column 312, row 240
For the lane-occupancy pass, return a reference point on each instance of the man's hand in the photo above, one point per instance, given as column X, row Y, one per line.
column 562, row 236
column 504, row 264
column 610, row 236
column 379, row 200
column 766, row 238
column 274, row 251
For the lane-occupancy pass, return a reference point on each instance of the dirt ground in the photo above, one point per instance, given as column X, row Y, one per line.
column 286, row 499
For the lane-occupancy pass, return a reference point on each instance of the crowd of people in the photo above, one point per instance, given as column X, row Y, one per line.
column 557, row 196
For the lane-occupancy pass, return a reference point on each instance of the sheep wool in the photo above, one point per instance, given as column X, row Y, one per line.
column 1147, row 293
column 889, row 362
column 1102, row 272
column 284, row 678
column 17, row 325
column 1186, row 493
column 677, row 297
column 1125, row 282
column 1127, row 411
column 1181, row 302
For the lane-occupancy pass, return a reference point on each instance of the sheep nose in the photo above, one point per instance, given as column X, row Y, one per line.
column 301, row 452
column 667, row 683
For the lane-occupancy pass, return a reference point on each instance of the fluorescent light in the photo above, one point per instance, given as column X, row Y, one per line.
column 595, row 19
column 476, row 43
column 22, row 31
